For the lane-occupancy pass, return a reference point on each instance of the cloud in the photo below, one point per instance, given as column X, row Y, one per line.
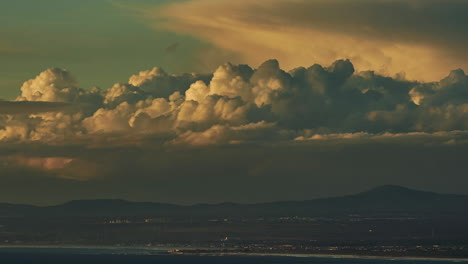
column 49, row 163
column 52, row 85
column 253, row 121
column 425, row 42
column 61, row 167
column 219, row 134
column 158, row 83
column 325, row 102
column 31, row 107
column 253, row 172
column 414, row 138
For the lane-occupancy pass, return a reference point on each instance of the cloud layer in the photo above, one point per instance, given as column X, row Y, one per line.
column 424, row 39
column 236, row 103
column 164, row 135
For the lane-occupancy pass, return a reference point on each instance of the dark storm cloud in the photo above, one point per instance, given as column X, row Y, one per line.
column 246, row 173
column 439, row 22
column 27, row 107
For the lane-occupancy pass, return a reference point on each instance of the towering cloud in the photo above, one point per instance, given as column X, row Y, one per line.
column 237, row 103
column 275, row 131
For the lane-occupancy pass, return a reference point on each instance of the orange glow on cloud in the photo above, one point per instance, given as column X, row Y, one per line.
column 233, row 26
column 48, row 163
column 60, row 167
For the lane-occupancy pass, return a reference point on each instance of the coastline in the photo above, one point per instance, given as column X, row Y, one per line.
column 191, row 251
column 335, row 256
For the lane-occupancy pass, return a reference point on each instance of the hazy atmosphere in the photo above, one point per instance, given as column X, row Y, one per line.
column 207, row 101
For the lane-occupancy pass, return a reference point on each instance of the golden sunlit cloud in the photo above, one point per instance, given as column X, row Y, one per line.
column 258, row 31
column 235, row 104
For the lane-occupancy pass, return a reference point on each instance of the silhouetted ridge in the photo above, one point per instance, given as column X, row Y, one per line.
column 390, row 200
column 392, row 192
column 392, row 189
column 81, row 203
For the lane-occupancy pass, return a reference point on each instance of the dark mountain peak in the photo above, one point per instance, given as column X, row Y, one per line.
column 389, row 188
column 95, row 202
column 394, row 194
column 390, row 200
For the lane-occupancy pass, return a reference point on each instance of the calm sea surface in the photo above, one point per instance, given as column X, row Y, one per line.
column 143, row 256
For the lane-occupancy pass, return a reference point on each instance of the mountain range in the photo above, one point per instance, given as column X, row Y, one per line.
column 388, row 200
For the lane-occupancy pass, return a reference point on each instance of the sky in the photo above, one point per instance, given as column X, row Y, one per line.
column 207, row 101
column 97, row 40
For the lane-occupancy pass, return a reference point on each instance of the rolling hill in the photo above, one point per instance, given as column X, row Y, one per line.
column 384, row 200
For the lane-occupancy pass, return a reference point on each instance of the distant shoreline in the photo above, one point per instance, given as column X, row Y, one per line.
column 338, row 256
column 191, row 251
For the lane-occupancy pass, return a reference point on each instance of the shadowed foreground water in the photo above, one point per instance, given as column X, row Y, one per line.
column 143, row 256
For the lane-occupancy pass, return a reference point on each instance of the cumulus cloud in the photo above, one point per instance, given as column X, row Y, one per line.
column 14, row 130
column 219, row 134
column 288, row 134
column 145, row 127
column 54, row 85
column 158, row 83
column 237, row 103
